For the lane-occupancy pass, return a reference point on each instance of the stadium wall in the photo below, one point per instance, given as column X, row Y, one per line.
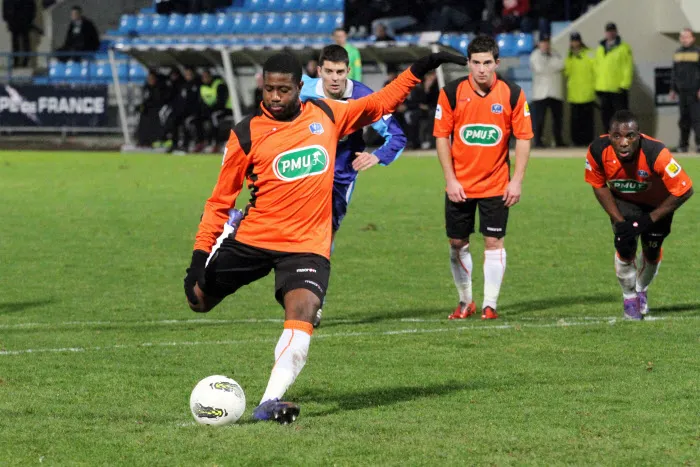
column 644, row 31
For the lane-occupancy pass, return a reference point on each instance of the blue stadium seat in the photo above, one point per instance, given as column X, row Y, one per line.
column 307, row 23
column 240, row 24
column 176, row 24
column 324, row 24
column 324, row 5
column 224, row 24
column 338, row 20
column 507, row 45
column 123, row 71
column 410, row 38
column 57, row 71
column 143, row 24
column 137, row 72
column 127, row 25
column 272, row 23
column 446, row 40
column 71, row 72
column 306, row 5
column 149, row 10
column 460, row 43
column 253, row 41
column 255, row 5
column 159, row 24
column 102, row 72
column 525, row 44
column 257, row 23
column 191, row 24
column 208, row 22
column 291, row 5
column 273, row 5
column 290, row 24
column 338, row 5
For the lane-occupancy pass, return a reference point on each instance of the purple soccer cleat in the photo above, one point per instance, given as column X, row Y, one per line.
column 643, row 303
column 277, row 411
column 631, row 306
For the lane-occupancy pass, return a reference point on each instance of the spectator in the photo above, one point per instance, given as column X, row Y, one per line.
column 579, row 70
column 547, row 89
column 155, row 96
column 514, row 14
column 183, row 125
column 341, row 38
column 419, row 111
column 685, row 86
column 453, row 15
column 258, row 91
column 614, row 68
column 82, row 35
column 19, row 16
column 311, row 69
column 215, row 108
column 381, row 34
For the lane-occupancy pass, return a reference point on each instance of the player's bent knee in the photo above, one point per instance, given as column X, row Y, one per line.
column 493, row 243
column 626, row 247
column 652, row 255
column 458, row 243
column 301, row 305
column 204, row 302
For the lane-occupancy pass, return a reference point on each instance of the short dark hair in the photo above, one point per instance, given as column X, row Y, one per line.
column 334, row 53
column 482, row 44
column 77, row 8
column 624, row 116
column 283, row 62
column 339, row 29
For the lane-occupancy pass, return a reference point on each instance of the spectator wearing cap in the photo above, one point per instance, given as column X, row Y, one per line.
column 685, row 86
column 614, row 68
column 579, row 69
column 547, row 89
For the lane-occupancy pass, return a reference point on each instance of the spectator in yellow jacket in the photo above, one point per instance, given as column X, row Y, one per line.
column 614, row 67
column 579, row 69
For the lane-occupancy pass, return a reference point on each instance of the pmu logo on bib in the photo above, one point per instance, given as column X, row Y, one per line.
column 481, row 134
column 628, row 186
column 301, row 163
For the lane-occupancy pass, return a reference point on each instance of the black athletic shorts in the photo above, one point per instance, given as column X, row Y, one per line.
column 658, row 231
column 460, row 217
column 235, row 264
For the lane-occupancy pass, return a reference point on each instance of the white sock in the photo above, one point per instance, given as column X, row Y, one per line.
column 494, row 268
column 626, row 272
column 461, row 265
column 290, row 358
column 646, row 273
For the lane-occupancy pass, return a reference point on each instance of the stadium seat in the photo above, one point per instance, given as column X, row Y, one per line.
column 520, row 73
column 57, row 71
column 137, row 72
column 460, row 43
column 223, row 25
column 149, row 10
column 507, row 45
column 208, row 22
column 410, row 38
column 71, row 72
column 446, row 40
column 102, row 72
column 159, row 24
column 272, row 23
column 123, row 71
column 240, row 23
column 307, row 23
column 324, row 24
column 176, row 24
column 290, row 5
column 191, row 24
column 525, row 44
column 290, row 24
column 338, row 20
column 306, row 5
column 127, row 25
column 273, row 5
column 255, row 5
column 143, row 24
column 323, row 5
column 338, row 5
column 256, row 23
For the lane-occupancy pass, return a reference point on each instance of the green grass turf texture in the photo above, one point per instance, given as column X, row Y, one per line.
column 94, row 248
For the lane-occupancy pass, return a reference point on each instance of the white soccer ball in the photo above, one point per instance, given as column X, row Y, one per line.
column 217, row 400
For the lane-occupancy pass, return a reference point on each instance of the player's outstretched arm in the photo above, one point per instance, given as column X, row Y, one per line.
column 669, row 205
column 359, row 113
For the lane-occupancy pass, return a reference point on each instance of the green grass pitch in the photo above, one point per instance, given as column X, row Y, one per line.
column 99, row 352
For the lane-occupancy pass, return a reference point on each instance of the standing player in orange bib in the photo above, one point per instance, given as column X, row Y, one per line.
column 480, row 112
column 639, row 185
column 286, row 153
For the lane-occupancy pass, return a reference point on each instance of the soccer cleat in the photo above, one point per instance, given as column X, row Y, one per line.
column 631, row 306
column 463, row 311
column 317, row 318
column 276, row 410
column 489, row 313
column 643, row 303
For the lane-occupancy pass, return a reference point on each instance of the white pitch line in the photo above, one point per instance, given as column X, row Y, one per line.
column 505, row 326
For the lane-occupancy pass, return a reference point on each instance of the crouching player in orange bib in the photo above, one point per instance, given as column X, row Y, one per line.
column 286, row 152
column 640, row 186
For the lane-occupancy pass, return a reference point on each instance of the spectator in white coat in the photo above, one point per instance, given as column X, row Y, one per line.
column 547, row 90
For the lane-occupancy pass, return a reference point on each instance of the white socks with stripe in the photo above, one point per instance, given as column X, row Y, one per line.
column 646, row 273
column 461, row 265
column 626, row 272
column 494, row 269
column 290, row 358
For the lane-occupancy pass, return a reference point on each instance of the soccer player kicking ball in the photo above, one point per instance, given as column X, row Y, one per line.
column 639, row 185
column 286, row 152
column 351, row 157
column 480, row 112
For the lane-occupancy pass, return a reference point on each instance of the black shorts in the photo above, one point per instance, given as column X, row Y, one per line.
column 658, row 231
column 235, row 264
column 460, row 217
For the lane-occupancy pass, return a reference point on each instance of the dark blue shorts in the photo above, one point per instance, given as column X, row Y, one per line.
column 342, row 192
